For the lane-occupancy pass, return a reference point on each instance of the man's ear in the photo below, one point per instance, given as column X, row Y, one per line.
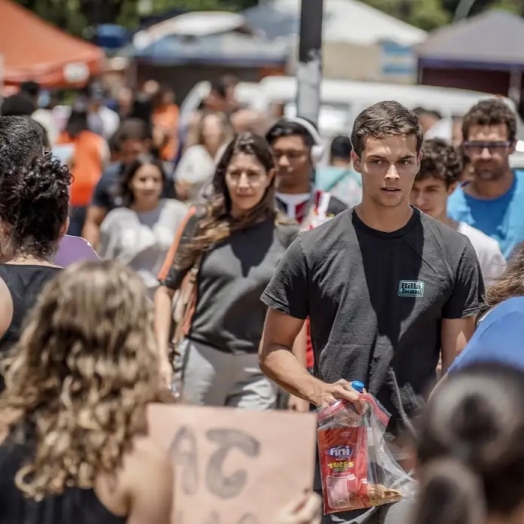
column 356, row 161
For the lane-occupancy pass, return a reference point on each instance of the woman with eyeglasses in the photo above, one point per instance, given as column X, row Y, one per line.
column 235, row 243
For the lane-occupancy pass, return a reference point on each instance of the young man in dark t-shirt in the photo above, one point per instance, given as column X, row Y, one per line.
column 388, row 290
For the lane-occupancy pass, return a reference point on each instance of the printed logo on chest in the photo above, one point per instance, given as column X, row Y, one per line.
column 411, row 288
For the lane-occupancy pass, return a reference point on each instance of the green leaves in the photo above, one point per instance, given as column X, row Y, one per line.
column 76, row 15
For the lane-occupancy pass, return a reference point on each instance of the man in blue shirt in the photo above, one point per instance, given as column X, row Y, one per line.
column 494, row 199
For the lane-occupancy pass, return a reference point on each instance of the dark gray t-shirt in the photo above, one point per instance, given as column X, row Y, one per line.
column 376, row 301
column 229, row 315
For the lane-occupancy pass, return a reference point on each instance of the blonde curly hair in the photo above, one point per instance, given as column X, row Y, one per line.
column 79, row 380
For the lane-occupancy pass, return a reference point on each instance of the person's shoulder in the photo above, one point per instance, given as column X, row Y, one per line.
column 117, row 217
column 458, row 196
column 519, row 178
column 171, row 205
column 287, row 231
column 447, row 234
column 111, row 172
column 327, row 233
column 145, row 447
column 193, row 216
column 336, row 206
column 449, row 243
column 195, row 150
column 479, row 239
column 146, row 457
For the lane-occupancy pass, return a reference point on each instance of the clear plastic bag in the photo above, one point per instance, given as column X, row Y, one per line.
column 357, row 469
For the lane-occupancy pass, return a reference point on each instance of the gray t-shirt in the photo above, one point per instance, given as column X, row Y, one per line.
column 376, row 301
column 229, row 315
column 141, row 240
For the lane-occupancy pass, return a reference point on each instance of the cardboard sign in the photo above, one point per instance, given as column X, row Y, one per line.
column 74, row 249
column 235, row 466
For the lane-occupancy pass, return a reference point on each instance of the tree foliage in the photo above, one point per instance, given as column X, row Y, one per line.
column 75, row 15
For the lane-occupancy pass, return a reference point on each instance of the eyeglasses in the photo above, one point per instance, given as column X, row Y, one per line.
column 492, row 147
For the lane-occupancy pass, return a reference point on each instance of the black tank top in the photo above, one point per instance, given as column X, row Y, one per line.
column 25, row 283
column 74, row 506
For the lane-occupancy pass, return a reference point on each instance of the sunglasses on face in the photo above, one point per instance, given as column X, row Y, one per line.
column 479, row 146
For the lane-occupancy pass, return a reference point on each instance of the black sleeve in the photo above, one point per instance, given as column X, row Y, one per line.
column 287, row 291
column 177, row 272
column 102, row 193
column 336, row 206
column 468, row 289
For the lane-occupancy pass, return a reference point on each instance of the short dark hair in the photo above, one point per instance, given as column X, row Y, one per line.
column 124, row 191
column 133, row 129
column 286, row 127
column 21, row 140
column 35, row 205
column 490, row 112
column 31, row 88
column 17, row 105
column 341, row 147
column 440, row 160
column 385, row 119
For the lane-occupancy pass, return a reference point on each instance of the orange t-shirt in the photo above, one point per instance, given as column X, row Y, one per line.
column 166, row 118
column 87, row 165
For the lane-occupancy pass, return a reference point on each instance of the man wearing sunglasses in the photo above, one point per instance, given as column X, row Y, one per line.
column 493, row 201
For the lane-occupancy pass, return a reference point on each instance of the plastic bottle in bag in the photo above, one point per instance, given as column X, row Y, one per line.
column 357, row 470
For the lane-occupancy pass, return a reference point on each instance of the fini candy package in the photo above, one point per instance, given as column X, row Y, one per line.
column 357, row 469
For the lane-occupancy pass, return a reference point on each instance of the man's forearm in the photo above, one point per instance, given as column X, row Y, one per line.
column 283, row 367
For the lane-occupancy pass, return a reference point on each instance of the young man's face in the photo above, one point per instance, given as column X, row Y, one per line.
column 388, row 167
column 293, row 159
column 488, row 149
column 430, row 195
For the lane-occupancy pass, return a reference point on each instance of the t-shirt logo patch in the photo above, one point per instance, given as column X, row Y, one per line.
column 410, row 288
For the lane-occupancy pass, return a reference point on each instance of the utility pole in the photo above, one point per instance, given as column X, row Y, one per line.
column 462, row 10
column 309, row 72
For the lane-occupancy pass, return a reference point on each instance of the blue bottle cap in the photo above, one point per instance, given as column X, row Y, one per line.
column 357, row 386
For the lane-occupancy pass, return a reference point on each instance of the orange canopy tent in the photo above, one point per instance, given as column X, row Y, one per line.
column 32, row 49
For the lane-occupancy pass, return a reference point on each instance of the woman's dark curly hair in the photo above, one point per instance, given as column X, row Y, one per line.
column 440, row 160
column 34, row 207
column 124, row 186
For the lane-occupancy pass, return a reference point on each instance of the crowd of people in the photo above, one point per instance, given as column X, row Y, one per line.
column 247, row 274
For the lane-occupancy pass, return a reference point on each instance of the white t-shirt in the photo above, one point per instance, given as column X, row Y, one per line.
column 492, row 262
column 196, row 169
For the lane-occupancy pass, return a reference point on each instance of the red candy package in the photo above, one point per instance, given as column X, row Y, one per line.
column 356, row 467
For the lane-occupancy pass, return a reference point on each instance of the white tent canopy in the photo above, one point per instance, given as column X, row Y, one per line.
column 344, row 21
